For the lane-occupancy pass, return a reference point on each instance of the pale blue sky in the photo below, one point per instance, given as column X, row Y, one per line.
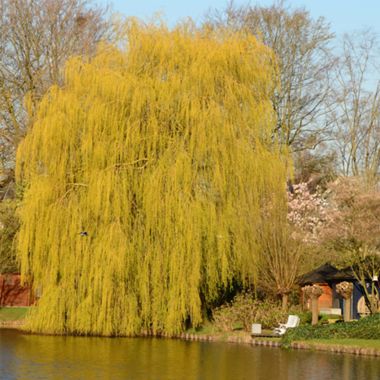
column 343, row 15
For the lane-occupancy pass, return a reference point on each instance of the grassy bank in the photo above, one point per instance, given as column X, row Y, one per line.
column 358, row 343
column 10, row 314
column 12, row 317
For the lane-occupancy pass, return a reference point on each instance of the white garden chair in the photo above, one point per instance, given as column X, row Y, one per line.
column 293, row 321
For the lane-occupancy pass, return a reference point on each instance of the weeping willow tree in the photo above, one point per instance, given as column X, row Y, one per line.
column 145, row 177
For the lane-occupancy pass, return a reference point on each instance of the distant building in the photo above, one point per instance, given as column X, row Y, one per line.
column 327, row 277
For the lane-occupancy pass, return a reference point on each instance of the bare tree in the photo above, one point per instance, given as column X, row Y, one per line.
column 366, row 269
column 36, row 38
column 354, row 221
column 282, row 253
column 302, row 47
column 356, row 115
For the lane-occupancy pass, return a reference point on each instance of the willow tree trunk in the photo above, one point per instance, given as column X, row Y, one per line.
column 347, row 309
column 345, row 290
column 313, row 292
column 285, row 301
column 314, row 310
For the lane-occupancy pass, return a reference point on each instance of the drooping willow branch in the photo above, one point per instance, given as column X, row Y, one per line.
column 141, row 250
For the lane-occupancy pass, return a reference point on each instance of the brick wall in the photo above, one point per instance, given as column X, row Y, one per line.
column 12, row 293
column 325, row 300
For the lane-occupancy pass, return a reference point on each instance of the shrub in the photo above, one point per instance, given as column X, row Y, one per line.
column 366, row 328
column 305, row 316
column 245, row 310
column 324, row 319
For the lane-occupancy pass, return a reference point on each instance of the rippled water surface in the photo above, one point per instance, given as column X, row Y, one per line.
column 46, row 357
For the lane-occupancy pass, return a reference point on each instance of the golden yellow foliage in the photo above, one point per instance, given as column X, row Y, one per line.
column 163, row 153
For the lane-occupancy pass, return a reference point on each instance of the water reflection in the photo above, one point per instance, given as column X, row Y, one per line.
column 46, row 357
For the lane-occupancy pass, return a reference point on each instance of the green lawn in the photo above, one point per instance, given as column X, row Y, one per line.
column 12, row 313
column 361, row 343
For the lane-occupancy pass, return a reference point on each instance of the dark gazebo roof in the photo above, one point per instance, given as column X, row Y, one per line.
column 327, row 273
column 345, row 274
column 320, row 275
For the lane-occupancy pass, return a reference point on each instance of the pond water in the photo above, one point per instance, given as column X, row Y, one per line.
column 33, row 357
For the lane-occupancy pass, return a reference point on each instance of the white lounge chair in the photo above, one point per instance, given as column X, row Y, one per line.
column 293, row 321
